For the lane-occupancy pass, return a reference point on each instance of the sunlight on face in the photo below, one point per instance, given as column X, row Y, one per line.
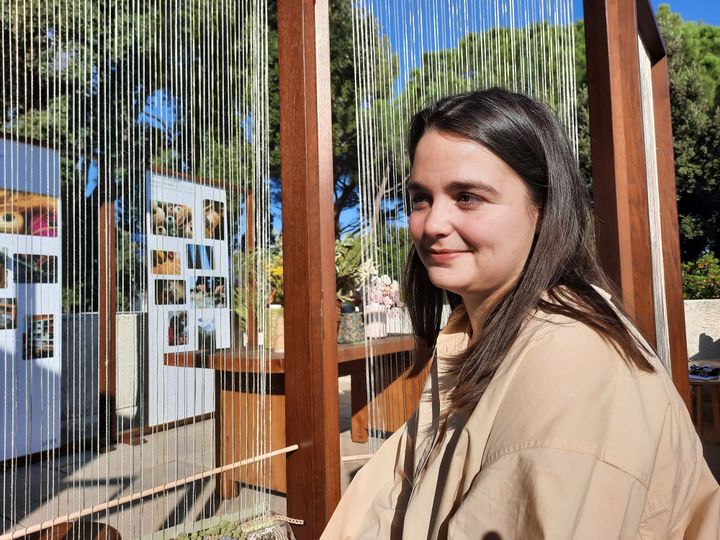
column 472, row 221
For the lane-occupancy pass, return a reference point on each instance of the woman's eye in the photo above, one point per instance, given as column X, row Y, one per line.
column 468, row 199
column 418, row 201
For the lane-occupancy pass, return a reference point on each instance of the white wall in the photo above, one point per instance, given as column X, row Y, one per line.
column 79, row 409
column 702, row 328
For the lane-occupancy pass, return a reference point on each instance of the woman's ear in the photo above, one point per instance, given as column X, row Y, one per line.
column 538, row 219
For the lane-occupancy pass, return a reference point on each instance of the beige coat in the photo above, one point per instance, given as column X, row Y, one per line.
column 566, row 442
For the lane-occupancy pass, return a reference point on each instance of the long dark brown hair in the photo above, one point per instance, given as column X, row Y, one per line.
column 527, row 136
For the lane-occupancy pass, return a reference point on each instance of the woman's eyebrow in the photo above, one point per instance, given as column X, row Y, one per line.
column 457, row 185
column 414, row 185
column 464, row 185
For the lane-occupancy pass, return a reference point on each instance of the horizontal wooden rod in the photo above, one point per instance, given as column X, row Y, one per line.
column 358, row 457
column 145, row 493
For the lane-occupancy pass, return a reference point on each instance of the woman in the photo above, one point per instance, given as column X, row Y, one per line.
column 545, row 415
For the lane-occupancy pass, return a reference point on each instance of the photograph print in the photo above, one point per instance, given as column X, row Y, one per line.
column 200, row 257
column 214, row 219
column 35, row 268
column 206, row 334
column 208, row 292
column 165, row 262
column 28, row 213
column 8, row 313
column 169, row 291
column 169, row 219
column 178, row 330
column 4, row 269
column 39, row 338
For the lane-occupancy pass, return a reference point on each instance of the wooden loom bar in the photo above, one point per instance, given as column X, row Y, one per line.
column 669, row 225
column 619, row 168
column 618, row 155
column 667, row 191
column 107, row 315
column 309, row 263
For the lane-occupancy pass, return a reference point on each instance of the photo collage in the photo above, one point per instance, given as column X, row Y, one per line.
column 31, row 320
column 38, row 334
column 29, row 214
column 186, row 275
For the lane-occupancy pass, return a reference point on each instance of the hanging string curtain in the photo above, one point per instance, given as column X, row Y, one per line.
column 408, row 53
column 135, row 151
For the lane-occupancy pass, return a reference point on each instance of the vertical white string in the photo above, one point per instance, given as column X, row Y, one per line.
column 524, row 45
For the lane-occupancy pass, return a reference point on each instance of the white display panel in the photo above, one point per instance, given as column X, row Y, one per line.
column 30, row 299
column 188, row 292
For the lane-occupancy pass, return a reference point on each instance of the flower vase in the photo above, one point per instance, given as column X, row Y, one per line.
column 351, row 328
column 375, row 320
column 398, row 321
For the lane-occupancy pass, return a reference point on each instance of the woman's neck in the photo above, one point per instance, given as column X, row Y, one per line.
column 478, row 308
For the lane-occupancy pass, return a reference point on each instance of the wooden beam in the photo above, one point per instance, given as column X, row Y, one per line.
column 618, row 155
column 670, row 230
column 649, row 31
column 309, row 263
column 107, row 312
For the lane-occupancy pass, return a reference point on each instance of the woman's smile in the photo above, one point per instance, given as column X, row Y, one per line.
column 444, row 256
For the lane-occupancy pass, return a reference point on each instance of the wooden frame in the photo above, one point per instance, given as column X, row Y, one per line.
column 311, row 369
column 313, row 471
column 612, row 28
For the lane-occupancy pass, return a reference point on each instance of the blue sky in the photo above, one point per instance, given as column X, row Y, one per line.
column 707, row 11
column 424, row 35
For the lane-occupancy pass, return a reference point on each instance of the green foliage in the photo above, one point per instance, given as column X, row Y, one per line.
column 78, row 74
column 694, row 72
column 348, row 266
column 394, row 245
column 131, row 271
column 701, row 278
column 257, row 530
column 259, row 274
column 694, row 68
column 74, row 299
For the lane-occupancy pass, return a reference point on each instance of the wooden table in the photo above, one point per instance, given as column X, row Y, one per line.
column 242, row 406
column 712, row 385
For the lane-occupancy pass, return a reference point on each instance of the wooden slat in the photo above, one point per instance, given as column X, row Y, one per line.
column 313, row 471
column 649, row 31
column 252, row 360
column 107, row 311
column 670, row 230
column 618, row 155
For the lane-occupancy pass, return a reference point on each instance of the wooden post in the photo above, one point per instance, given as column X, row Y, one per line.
column 612, row 28
column 618, row 155
column 107, row 311
column 311, row 371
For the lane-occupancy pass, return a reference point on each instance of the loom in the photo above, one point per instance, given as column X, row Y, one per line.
column 147, row 390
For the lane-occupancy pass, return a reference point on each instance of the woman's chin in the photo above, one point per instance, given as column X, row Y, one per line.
column 450, row 285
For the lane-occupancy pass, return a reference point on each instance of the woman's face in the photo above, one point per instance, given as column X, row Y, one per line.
column 472, row 220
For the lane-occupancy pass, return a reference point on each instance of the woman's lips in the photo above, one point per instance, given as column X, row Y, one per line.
column 440, row 256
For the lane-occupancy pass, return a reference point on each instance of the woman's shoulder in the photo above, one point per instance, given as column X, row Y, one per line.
column 573, row 390
column 568, row 353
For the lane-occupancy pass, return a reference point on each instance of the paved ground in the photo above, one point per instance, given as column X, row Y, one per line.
column 41, row 491
column 80, row 480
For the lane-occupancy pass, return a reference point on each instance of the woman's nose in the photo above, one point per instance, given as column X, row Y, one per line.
column 438, row 220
